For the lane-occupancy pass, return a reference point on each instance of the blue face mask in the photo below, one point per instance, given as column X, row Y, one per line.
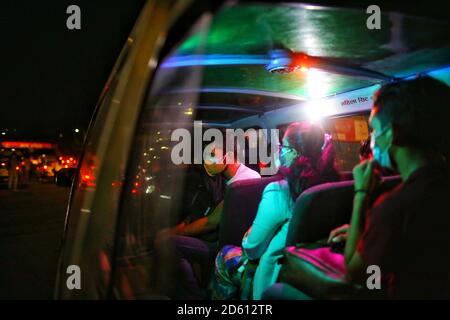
column 381, row 156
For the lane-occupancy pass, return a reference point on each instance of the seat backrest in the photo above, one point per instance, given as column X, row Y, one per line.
column 240, row 207
column 324, row 207
column 346, row 175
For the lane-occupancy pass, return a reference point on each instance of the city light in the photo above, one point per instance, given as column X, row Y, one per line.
column 318, row 109
column 317, row 83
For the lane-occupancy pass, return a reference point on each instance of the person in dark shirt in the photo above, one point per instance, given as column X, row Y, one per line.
column 406, row 233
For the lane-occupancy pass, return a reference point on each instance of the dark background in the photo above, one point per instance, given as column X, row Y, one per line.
column 51, row 76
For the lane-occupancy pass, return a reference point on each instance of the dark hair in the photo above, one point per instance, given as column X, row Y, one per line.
column 419, row 112
column 365, row 151
column 315, row 163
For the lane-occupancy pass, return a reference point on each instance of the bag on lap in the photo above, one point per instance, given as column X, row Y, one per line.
column 317, row 271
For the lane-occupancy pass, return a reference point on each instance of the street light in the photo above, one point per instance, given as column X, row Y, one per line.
column 77, row 130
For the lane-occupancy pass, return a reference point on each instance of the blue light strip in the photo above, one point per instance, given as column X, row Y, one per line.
column 442, row 74
column 215, row 60
column 275, row 60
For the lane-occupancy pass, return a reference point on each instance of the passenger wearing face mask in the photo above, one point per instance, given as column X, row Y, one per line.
column 218, row 163
column 306, row 159
column 406, row 232
column 195, row 240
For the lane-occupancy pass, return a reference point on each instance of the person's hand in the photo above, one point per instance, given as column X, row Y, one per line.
column 339, row 234
column 244, row 238
column 366, row 176
column 164, row 234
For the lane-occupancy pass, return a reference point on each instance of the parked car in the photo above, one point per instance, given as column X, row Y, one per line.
column 64, row 177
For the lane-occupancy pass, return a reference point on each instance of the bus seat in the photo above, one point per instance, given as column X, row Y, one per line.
column 317, row 211
column 322, row 208
column 346, row 175
column 240, row 207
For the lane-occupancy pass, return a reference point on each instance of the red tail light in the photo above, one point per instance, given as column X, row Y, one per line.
column 87, row 178
column 263, row 165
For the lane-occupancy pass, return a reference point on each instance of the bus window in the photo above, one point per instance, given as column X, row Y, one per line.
column 217, row 76
column 347, row 133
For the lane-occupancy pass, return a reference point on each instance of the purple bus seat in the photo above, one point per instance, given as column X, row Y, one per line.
column 322, row 208
column 240, row 207
column 317, row 211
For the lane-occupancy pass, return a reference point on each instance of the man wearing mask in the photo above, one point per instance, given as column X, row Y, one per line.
column 406, row 232
column 195, row 241
column 217, row 163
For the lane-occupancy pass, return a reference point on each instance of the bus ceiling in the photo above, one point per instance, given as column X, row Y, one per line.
column 307, row 44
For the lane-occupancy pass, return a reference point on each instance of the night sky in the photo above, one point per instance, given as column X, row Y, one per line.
column 52, row 76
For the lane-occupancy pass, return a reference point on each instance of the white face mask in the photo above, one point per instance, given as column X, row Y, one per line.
column 381, row 156
column 213, row 166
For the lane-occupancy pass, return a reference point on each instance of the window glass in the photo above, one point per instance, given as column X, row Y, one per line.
column 233, row 66
column 348, row 134
column 158, row 192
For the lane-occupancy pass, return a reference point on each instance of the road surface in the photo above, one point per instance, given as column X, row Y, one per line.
column 31, row 227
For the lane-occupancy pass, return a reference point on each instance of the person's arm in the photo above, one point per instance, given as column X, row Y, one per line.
column 269, row 218
column 353, row 260
column 202, row 225
column 365, row 182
